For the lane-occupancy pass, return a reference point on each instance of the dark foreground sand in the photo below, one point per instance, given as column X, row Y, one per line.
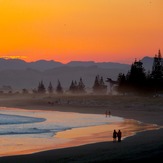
column 144, row 146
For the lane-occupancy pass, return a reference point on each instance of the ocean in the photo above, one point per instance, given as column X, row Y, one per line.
column 28, row 131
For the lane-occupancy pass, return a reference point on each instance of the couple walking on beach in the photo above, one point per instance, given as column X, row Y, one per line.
column 107, row 113
column 117, row 135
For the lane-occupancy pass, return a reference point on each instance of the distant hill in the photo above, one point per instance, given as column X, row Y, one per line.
column 99, row 64
column 42, row 65
column 17, row 64
column 147, row 63
column 20, row 74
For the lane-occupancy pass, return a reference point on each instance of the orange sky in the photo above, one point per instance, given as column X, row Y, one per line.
column 65, row 30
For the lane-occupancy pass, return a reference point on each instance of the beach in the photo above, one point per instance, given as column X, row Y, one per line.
column 144, row 146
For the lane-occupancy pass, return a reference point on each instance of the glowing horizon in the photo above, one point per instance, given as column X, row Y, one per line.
column 92, row 30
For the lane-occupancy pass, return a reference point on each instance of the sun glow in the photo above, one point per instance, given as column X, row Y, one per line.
column 97, row 30
column 13, row 57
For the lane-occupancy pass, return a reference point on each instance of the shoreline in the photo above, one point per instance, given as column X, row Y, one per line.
column 72, row 137
column 134, row 148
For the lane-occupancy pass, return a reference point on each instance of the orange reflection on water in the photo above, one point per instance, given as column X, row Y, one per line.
column 13, row 145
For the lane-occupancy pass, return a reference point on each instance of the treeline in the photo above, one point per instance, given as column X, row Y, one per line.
column 75, row 87
column 137, row 80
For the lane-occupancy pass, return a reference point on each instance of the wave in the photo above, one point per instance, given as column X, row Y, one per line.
column 6, row 119
column 53, row 122
column 24, row 131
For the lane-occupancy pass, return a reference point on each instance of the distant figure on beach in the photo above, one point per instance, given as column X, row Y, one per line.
column 114, row 136
column 119, row 135
column 107, row 113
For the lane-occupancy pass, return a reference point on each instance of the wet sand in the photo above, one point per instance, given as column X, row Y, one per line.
column 143, row 146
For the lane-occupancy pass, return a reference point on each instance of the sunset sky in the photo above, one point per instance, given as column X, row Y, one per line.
column 85, row 30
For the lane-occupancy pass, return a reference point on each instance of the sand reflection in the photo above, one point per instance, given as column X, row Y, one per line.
column 25, row 144
column 102, row 133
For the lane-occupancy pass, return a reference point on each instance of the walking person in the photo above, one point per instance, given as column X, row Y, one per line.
column 114, row 136
column 109, row 113
column 106, row 113
column 119, row 135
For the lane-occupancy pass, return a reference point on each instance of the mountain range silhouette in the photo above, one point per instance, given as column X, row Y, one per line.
column 20, row 74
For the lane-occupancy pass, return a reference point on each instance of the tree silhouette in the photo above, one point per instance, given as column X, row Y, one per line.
column 59, row 88
column 136, row 77
column 50, row 88
column 136, row 80
column 41, row 87
column 99, row 86
column 156, row 80
column 81, row 86
column 72, row 87
column 78, row 88
column 122, row 86
column 157, row 68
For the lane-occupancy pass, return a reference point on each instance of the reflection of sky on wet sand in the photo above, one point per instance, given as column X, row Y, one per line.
column 102, row 133
column 29, row 143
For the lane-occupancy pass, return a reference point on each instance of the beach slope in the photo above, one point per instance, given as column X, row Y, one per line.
column 144, row 146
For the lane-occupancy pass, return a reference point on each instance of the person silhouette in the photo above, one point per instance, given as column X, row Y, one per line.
column 114, row 136
column 109, row 113
column 106, row 113
column 119, row 135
